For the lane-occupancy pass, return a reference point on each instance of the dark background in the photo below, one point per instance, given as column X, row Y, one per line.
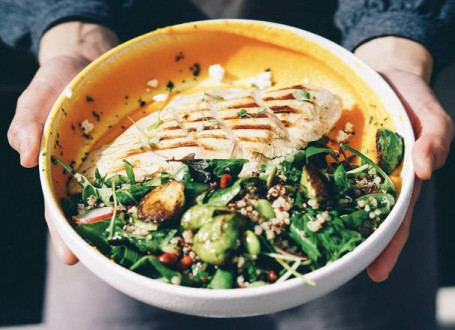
column 23, row 231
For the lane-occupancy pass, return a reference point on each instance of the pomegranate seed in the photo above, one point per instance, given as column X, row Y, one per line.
column 168, row 258
column 272, row 277
column 225, row 181
column 186, row 262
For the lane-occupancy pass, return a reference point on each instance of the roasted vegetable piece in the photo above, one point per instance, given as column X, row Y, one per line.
column 162, row 203
column 215, row 240
column 313, row 183
column 223, row 279
column 390, row 148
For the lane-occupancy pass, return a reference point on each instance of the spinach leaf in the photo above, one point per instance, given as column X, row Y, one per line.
column 69, row 205
column 299, row 234
column 125, row 256
column 313, row 150
column 160, row 239
column 132, row 195
column 232, row 166
column 222, row 197
column 152, row 267
column 341, row 182
column 129, row 172
column 87, row 192
column 95, row 234
column 390, row 149
column 388, row 185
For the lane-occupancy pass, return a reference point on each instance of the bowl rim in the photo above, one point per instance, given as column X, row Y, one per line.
column 65, row 229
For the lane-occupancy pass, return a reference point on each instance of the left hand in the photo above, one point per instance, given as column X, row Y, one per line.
column 406, row 66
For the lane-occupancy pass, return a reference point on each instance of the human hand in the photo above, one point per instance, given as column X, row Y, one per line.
column 64, row 51
column 406, row 66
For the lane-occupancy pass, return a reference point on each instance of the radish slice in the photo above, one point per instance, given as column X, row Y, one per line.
column 94, row 215
column 295, row 255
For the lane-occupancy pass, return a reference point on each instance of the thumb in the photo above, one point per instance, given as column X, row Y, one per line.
column 33, row 106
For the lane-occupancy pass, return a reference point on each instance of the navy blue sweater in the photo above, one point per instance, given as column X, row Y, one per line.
column 429, row 22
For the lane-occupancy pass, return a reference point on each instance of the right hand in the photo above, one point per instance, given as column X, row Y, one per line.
column 64, row 51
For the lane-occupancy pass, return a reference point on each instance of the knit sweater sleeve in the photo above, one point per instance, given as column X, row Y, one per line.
column 424, row 21
column 25, row 21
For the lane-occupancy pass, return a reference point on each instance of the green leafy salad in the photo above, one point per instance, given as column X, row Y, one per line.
column 207, row 227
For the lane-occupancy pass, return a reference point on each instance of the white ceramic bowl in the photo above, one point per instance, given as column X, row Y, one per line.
column 257, row 300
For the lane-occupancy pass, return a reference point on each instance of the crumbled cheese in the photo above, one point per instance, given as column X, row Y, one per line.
column 306, row 80
column 377, row 180
column 341, row 136
column 349, row 127
column 216, row 72
column 261, row 81
column 68, row 92
column 87, row 126
column 161, row 97
column 91, row 200
column 153, row 83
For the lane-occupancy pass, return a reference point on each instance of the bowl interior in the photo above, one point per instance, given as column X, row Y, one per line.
column 115, row 86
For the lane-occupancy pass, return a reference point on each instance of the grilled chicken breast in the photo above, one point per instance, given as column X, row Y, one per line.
column 258, row 125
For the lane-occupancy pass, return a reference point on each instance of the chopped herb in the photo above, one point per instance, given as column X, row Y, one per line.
column 73, row 127
column 196, row 69
column 122, row 127
column 64, row 112
column 371, row 119
column 301, row 95
column 170, row 86
column 87, row 136
column 267, row 70
column 96, row 115
column 89, row 99
column 141, row 102
column 180, row 56
column 243, row 113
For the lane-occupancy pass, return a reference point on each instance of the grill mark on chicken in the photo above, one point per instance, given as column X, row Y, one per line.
column 253, row 115
column 181, row 145
column 278, row 98
column 134, row 152
column 252, row 126
column 254, row 139
column 246, row 105
column 283, row 109
column 172, row 137
column 269, row 113
column 292, row 87
column 201, row 119
column 189, row 132
column 237, row 150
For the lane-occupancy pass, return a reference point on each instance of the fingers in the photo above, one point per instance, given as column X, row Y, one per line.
column 33, row 106
column 433, row 127
column 432, row 146
column 63, row 252
column 380, row 269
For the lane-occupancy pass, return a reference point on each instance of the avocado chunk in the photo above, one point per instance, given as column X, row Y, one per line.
column 216, row 239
